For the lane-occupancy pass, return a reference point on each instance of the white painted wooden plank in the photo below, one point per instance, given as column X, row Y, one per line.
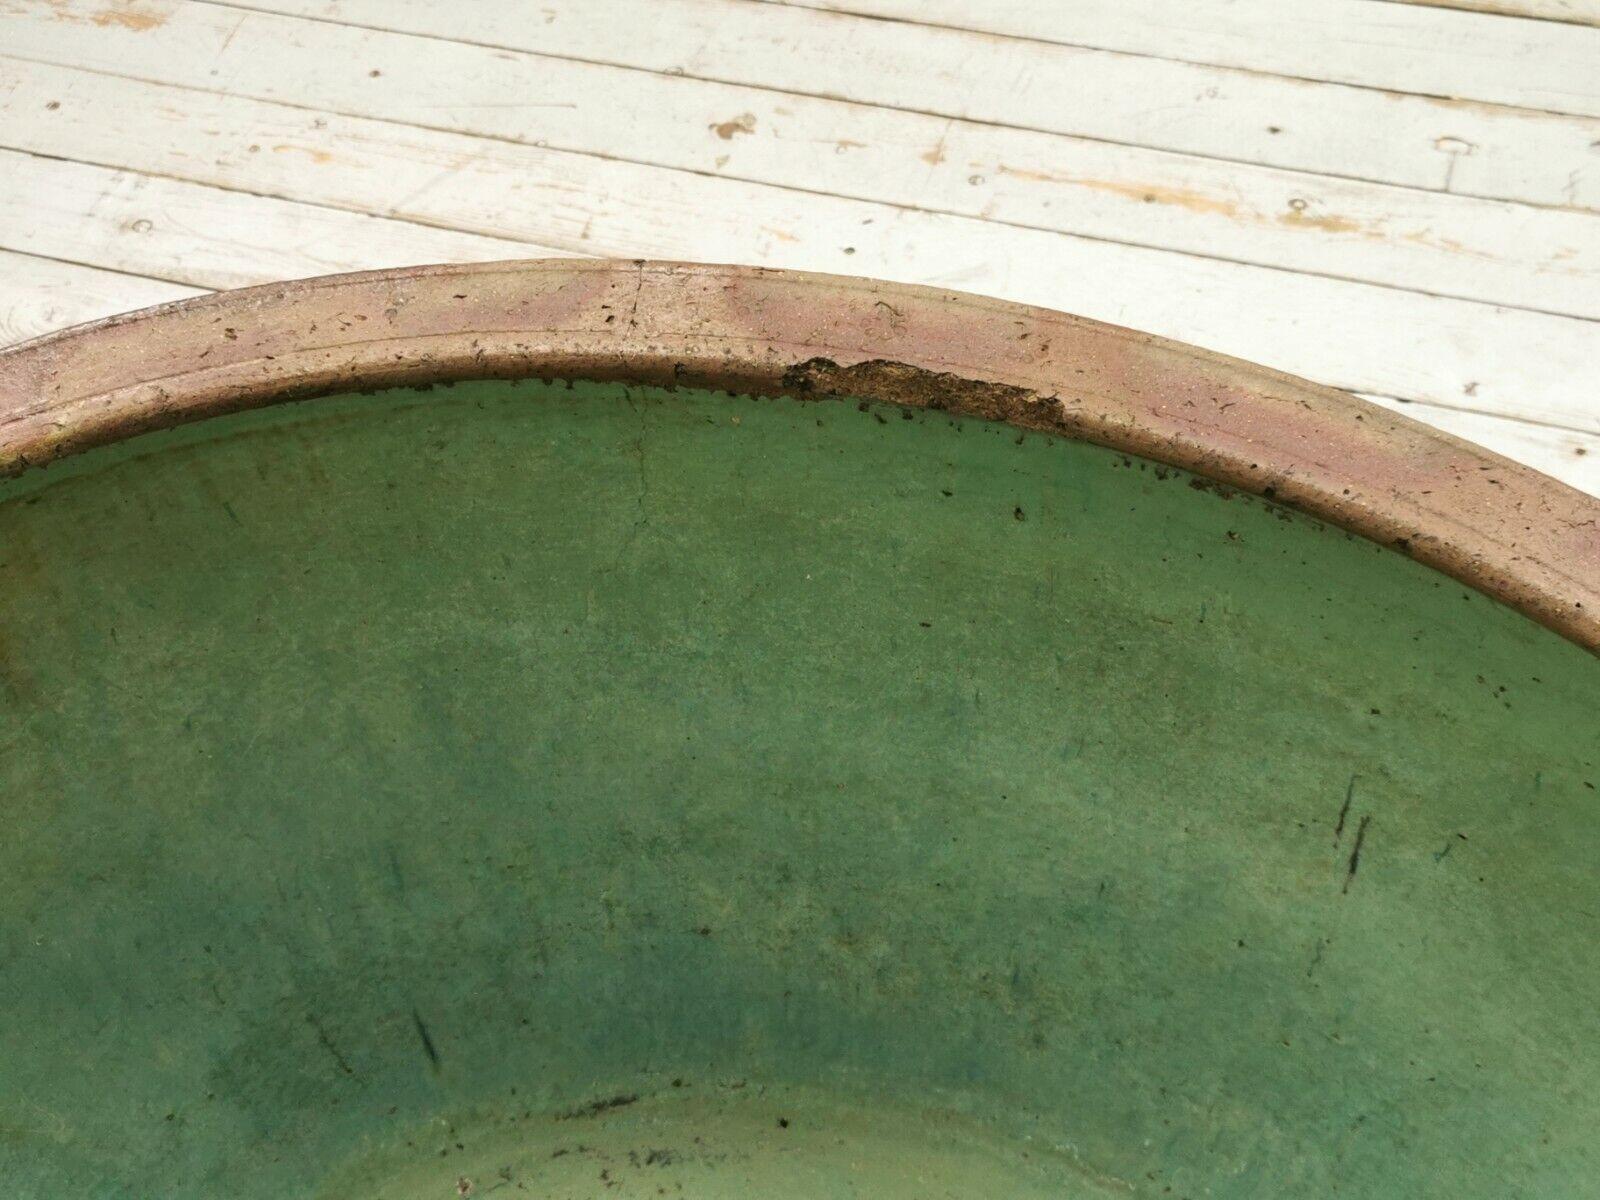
column 1538, row 258
column 206, row 236
column 40, row 295
column 1580, row 12
column 1353, row 335
column 1396, row 47
column 1566, row 454
column 1241, row 116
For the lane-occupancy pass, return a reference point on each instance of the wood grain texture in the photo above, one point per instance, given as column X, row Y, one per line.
column 1402, row 48
column 209, row 237
column 1439, row 255
column 41, row 295
column 1352, row 335
column 1236, row 115
column 1579, row 12
column 1506, row 253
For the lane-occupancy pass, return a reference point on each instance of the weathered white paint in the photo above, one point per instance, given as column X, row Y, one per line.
column 1236, row 115
column 1434, row 254
column 40, row 295
column 1352, row 335
column 1397, row 47
column 1513, row 254
column 207, row 237
column 1581, row 12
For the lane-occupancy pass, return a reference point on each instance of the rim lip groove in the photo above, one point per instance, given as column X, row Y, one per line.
column 1506, row 530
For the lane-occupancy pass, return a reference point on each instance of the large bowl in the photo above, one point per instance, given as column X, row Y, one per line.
column 770, row 735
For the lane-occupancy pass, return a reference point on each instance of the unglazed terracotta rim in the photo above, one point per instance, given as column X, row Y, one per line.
column 1494, row 525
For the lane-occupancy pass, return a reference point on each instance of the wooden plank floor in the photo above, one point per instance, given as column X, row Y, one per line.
column 1394, row 197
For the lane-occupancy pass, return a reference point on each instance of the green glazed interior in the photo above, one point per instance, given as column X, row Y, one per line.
column 581, row 791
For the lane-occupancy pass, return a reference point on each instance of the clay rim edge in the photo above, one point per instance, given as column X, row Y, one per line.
column 1506, row 530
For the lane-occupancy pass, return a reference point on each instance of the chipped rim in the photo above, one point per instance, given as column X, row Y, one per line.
column 1506, row 530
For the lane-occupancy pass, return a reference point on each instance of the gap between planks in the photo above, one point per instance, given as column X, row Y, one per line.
column 1444, row 53
column 1577, row 12
column 1356, row 336
column 1501, row 253
column 1536, row 259
column 1237, row 116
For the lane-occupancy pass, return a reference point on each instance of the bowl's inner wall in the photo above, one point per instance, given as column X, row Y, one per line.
column 509, row 780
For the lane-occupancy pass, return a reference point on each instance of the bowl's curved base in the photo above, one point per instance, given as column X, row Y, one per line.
column 738, row 1139
column 382, row 769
